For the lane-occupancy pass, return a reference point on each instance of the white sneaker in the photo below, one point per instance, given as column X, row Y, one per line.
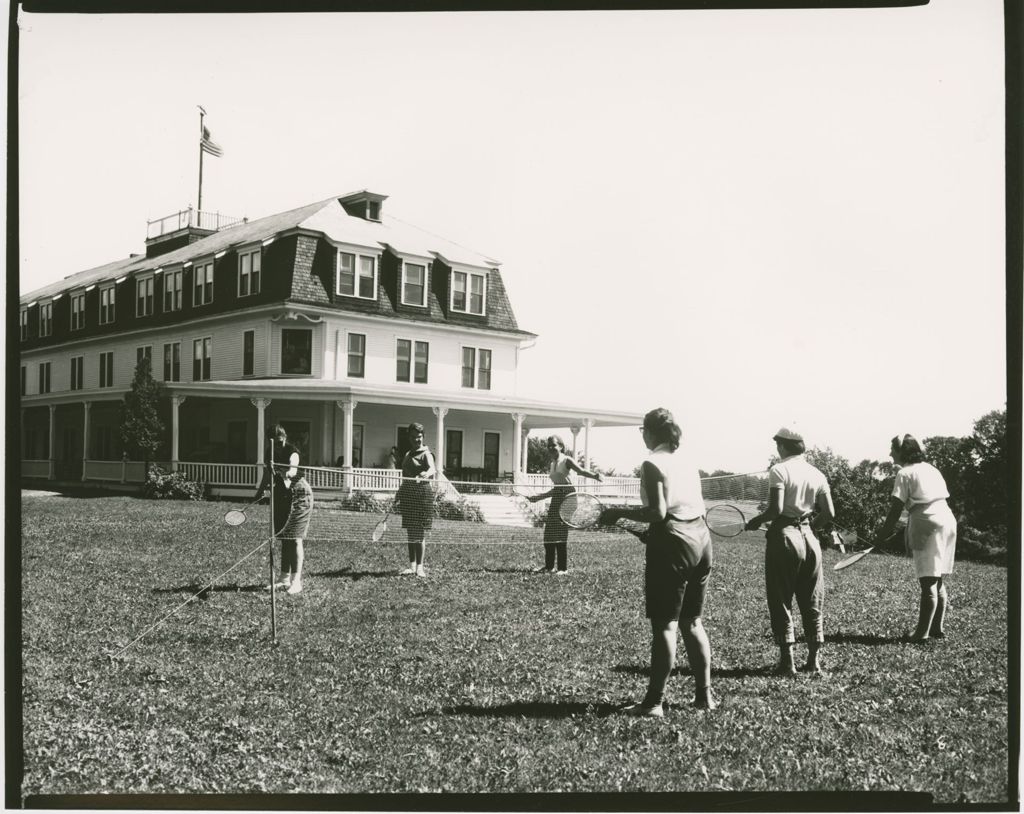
column 286, row 580
column 295, row 587
column 564, row 573
column 540, row 569
column 421, row 571
column 408, row 572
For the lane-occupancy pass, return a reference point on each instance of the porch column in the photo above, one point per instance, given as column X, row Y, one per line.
column 53, row 428
column 587, row 424
column 517, row 446
column 261, row 431
column 326, row 450
column 575, row 434
column 176, row 402
column 85, row 437
column 348, row 409
column 440, row 412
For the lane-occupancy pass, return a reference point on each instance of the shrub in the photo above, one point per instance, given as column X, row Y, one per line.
column 163, row 485
column 360, row 501
column 461, row 509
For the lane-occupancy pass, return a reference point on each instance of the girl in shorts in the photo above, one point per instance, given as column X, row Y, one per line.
column 678, row 562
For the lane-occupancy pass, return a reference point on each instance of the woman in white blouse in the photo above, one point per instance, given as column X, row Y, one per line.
column 931, row 531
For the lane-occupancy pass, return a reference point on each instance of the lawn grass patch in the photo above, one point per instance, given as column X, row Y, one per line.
column 482, row 678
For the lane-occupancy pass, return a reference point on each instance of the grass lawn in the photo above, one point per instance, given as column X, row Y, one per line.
column 483, row 677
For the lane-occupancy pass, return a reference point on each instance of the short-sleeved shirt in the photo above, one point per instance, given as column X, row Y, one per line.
column 801, row 484
column 683, row 495
column 919, row 484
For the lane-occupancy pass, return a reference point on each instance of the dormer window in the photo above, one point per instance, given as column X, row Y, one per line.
column 414, row 284
column 357, row 275
column 363, row 204
column 144, row 296
column 23, row 319
column 107, row 304
column 45, row 318
column 469, row 292
column 78, row 311
column 249, row 264
column 202, row 283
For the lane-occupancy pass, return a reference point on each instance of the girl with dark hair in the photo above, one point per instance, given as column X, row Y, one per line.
column 792, row 555
column 678, row 564
column 293, row 505
column 416, row 498
column 931, row 531
column 556, row 532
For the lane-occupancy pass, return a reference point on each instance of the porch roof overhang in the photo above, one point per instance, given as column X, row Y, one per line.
column 536, row 413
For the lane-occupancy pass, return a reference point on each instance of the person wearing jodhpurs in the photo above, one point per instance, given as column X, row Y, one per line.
column 792, row 560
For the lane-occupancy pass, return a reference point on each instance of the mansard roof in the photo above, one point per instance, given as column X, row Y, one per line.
column 326, row 216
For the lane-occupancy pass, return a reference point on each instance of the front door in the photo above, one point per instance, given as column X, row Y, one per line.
column 236, row 441
column 453, row 453
column 69, row 467
column 492, row 445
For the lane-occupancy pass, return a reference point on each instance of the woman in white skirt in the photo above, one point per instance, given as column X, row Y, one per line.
column 931, row 531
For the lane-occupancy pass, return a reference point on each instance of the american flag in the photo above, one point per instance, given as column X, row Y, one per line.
column 208, row 145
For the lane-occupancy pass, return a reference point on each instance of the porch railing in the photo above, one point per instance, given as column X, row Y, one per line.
column 221, row 474
column 610, row 488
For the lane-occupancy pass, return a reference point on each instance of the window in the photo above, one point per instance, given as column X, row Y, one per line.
column 468, row 292
column 145, row 352
column 373, row 210
column 202, row 292
column 202, row 352
column 144, row 297
column 357, row 275
column 23, row 318
column 77, row 372
column 172, row 290
column 484, row 379
column 77, row 311
column 476, row 368
column 107, row 369
column 107, row 304
column 44, row 377
column 412, row 357
column 296, row 351
column 249, row 273
column 248, row 353
column 45, row 318
column 414, row 284
column 357, row 355
column 469, row 367
column 172, row 362
column 24, row 380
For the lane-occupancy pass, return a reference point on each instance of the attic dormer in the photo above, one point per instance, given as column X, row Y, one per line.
column 363, row 204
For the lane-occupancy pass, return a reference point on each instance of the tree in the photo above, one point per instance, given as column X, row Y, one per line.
column 989, row 495
column 537, row 458
column 141, row 428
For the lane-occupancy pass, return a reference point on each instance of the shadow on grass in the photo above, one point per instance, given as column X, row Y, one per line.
column 348, row 573
column 861, row 638
column 532, row 709
column 204, row 591
column 683, row 670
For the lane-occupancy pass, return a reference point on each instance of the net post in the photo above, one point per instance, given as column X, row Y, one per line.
column 273, row 584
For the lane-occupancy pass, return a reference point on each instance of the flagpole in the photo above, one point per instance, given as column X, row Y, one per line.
column 199, row 204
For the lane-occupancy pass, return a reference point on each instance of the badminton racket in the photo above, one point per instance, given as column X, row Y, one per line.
column 381, row 528
column 583, row 510
column 508, row 489
column 725, row 520
column 236, row 517
column 859, row 555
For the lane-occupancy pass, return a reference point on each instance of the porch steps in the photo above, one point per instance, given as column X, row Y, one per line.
column 502, row 511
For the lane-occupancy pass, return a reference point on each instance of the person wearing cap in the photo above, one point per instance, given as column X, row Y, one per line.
column 931, row 530
column 792, row 559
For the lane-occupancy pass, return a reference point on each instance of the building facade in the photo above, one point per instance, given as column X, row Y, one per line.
column 333, row 319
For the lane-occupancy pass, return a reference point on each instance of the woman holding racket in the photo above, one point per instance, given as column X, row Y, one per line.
column 931, row 531
column 792, row 556
column 556, row 532
column 293, row 505
column 678, row 564
column 416, row 498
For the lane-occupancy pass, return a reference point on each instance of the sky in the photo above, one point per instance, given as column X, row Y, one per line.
column 753, row 218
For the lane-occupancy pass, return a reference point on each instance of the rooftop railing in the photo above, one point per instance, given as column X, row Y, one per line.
column 213, row 221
